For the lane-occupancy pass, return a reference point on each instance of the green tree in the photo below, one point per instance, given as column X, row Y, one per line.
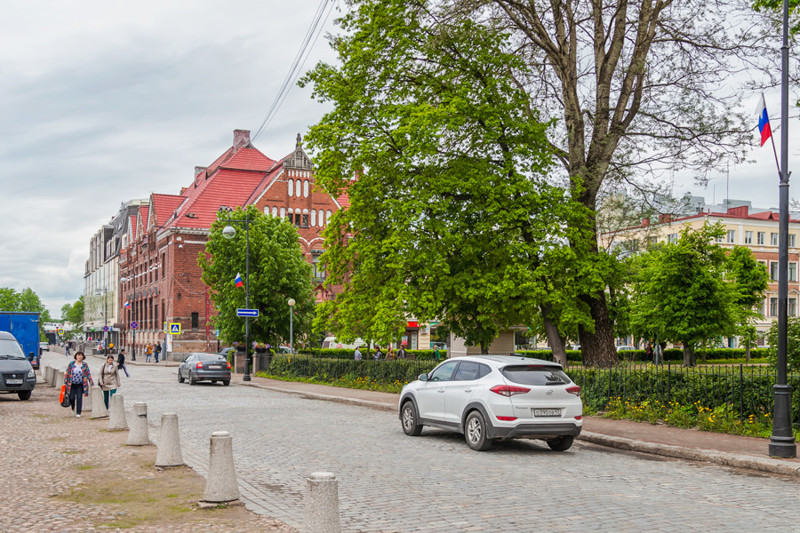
column 73, row 313
column 451, row 217
column 690, row 291
column 792, row 343
column 26, row 300
column 9, row 299
column 278, row 272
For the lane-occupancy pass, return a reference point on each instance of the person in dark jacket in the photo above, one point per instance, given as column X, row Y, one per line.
column 121, row 362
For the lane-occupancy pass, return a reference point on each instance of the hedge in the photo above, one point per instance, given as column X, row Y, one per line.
column 332, row 368
column 346, row 353
column 670, row 354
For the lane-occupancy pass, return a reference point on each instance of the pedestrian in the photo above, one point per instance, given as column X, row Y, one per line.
column 357, row 354
column 158, row 351
column 121, row 362
column 401, row 353
column 436, row 354
column 109, row 379
column 648, row 351
column 658, row 354
column 77, row 378
column 66, row 350
column 390, row 353
column 378, row 353
column 148, row 352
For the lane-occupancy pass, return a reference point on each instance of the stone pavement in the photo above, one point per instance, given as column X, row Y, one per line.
column 49, row 456
column 688, row 444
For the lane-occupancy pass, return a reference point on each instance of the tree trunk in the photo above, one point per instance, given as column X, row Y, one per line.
column 597, row 348
column 553, row 338
column 747, row 353
column 688, row 355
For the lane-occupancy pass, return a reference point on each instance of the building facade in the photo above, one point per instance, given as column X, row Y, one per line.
column 757, row 231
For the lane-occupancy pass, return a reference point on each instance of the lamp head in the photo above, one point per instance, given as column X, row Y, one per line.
column 291, row 302
column 229, row 232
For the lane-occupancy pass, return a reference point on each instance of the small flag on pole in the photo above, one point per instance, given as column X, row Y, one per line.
column 238, row 280
column 127, row 304
column 763, row 122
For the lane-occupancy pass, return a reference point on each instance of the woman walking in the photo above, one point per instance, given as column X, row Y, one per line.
column 109, row 379
column 77, row 378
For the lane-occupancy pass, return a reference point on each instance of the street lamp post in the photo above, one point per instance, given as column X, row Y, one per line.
column 105, row 321
column 782, row 442
column 229, row 232
column 291, row 303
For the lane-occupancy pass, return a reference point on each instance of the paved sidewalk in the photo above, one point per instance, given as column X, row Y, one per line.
column 717, row 448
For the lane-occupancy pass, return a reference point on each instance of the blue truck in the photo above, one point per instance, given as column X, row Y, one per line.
column 25, row 328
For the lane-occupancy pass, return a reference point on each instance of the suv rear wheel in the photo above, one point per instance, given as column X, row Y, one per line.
column 561, row 444
column 475, row 432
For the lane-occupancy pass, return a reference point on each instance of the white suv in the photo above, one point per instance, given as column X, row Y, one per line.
column 489, row 397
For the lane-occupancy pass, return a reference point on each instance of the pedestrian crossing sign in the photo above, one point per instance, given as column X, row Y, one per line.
column 175, row 328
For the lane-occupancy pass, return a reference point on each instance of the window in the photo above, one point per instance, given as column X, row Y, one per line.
column 791, row 240
column 792, row 309
column 297, row 219
column 290, row 184
column 773, row 239
column 274, row 211
column 762, row 236
column 468, row 371
column 305, row 221
column 328, row 217
column 195, row 320
column 731, row 235
column 444, row 372
column 748, row 237
column 792, row 271
column 164, row 265
column 305, row 188
column 319, row 272
column 773, row 270
column 313, row 217
column 773, row 307
column 283, row 212
column 672, row 237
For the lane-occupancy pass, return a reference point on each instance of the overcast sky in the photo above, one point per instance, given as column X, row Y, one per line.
column 103, row 102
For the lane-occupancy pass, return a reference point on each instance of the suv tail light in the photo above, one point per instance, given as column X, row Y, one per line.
column 576, row 390
column 229, row 365
column 509, row 390
column 199, row 364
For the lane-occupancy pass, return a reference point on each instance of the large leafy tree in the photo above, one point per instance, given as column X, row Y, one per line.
column 73, row 313
column 25, row 300
column 691, row 290
column 451, row 216
column 278, row 272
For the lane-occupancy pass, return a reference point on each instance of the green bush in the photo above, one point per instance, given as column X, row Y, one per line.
column 332, row 368
column 342, row 353
column 670, row 354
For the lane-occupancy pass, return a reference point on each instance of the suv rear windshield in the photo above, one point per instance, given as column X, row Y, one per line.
column 10, row 350
column 535, row 375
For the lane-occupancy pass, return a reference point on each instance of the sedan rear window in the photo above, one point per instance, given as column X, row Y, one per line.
column 535, row 375
column 210, row 357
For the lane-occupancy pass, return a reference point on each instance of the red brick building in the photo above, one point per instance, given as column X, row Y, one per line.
column 160, row 278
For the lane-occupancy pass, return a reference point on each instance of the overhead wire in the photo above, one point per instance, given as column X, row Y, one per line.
column 309, row 40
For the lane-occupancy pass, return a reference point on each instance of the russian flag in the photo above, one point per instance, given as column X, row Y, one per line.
column 238, row 280
column 127, row 304
column 763, row 121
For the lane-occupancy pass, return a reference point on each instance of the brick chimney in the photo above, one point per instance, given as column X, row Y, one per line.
column 241, row 138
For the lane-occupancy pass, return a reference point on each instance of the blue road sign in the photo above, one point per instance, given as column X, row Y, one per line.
column 247, row 312
column 105, row 328
column 134, row 325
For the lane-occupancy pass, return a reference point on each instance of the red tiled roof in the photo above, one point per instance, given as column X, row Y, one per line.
column 249, row 159
column 142, row 219
column 163, row 206
column 132, row 228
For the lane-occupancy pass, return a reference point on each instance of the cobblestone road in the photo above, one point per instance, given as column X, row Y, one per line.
column 392, row 483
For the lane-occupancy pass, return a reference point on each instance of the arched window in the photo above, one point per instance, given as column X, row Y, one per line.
column 328, row 217
column 305, row 188
column 283, row 212
column 291, row 187
column 274, row 211
column 313, row 217
column 266, row 210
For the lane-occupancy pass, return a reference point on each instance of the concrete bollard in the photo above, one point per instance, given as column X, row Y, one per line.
column 98, row 405
column 48, row 374
column 116, row 413
column 87, row 401
column 169, row 444
column 322, row 504
column 138, row 435
column 58, row 379
column 221, row 485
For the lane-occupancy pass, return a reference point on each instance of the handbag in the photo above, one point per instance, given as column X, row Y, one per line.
column 63, row 397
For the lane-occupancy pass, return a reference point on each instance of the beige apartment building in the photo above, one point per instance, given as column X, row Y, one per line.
column 757, row 231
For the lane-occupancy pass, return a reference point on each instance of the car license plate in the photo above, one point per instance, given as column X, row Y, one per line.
column 215, row 367
column 547, row 412
column 14, row 381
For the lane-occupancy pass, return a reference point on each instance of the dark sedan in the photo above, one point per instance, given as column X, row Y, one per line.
column 211, row 367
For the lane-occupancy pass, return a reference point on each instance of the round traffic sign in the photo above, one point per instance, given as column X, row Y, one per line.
column 134, row 325
column 105, row 328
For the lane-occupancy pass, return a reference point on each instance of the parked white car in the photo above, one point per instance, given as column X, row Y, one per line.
column 489, row 397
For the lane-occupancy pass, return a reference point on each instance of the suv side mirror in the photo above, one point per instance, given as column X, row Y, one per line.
column 423, row 377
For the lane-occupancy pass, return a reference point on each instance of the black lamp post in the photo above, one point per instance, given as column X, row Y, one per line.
column 229, row 232
column 781, row 442
column 105, row 321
